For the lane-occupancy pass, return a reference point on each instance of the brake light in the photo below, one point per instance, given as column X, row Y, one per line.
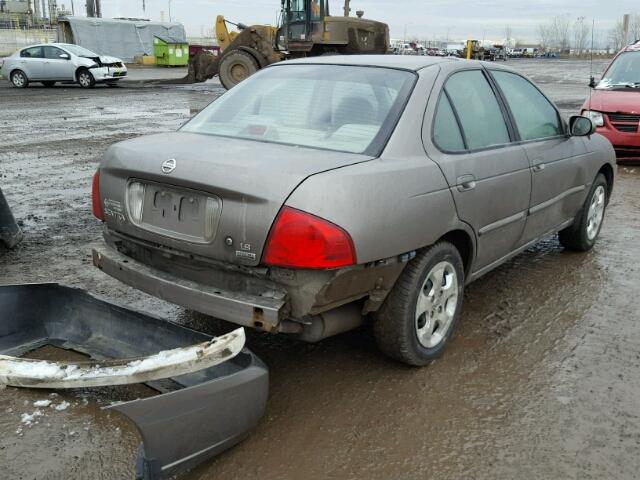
column 96, row 203
column 301, row 240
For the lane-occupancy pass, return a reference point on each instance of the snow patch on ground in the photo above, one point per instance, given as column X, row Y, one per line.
column 28, row 419
column 42, row 403
column 62, row 406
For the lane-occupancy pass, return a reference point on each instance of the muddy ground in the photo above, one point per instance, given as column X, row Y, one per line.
column 542, row 379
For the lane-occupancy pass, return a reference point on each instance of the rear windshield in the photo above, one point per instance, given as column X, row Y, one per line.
column 624, row 72
column 343, row 108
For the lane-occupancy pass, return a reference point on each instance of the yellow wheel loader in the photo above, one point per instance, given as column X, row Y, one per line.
column 306, row 29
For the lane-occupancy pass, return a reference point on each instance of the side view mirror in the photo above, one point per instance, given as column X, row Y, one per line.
column 580, row 126
column 65, row 56
column 592, row 82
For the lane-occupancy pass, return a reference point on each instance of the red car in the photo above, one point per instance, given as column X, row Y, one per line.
column 614, row 104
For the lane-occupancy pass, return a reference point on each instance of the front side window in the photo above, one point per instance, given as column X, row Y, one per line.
column 534, row 115
column 343, row 108
column 623, row 73
column 52, row 53
column 480, row 115
column 33, row 52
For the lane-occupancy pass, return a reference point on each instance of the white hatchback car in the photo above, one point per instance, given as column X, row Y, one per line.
column 61, row 62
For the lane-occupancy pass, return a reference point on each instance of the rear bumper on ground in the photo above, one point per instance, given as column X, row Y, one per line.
column 243, row 309
column 195, row 417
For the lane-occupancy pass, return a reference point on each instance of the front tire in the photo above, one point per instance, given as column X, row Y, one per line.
column 415, row 323
column 583, row 234
column 235, row 67
column 85, row 79
column 19, row 79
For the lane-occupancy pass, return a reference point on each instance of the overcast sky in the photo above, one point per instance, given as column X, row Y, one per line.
column 424, row 18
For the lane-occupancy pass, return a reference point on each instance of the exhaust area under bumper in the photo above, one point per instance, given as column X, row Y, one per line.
column 213, row 391
column 240, row 308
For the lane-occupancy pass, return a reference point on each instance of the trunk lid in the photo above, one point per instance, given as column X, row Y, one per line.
column 235, row 186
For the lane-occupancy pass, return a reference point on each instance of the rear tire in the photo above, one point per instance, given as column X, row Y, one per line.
column 85, row 79
column 416, row 320
column 235, row 67
column 48, row 84
column 19, row 79
column 583, row 234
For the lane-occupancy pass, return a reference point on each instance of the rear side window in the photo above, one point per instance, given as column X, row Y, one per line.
column 446, row 133
column 534, row 115
column 481, row 119
column 33, row 52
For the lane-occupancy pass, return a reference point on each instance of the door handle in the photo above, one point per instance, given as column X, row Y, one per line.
column 538, row 168
column 466, row 183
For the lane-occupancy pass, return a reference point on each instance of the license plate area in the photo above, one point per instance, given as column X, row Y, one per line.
column 178, row 213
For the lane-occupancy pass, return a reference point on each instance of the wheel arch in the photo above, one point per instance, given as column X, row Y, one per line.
column 607, row 171
column 464, row 242
column 78, row 70
column 16, row 69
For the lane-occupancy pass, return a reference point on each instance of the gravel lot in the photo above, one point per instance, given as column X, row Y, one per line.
column 541, row 380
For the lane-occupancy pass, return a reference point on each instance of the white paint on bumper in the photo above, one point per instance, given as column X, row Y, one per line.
column 24, row 372
column 102, row 74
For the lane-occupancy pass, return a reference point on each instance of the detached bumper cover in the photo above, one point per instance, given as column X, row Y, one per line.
column 199, row 415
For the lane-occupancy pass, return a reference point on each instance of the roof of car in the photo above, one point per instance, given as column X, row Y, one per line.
column 406, row 62
column 634, row 47
column 53, row 44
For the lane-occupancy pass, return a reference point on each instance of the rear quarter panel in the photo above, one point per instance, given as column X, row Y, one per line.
column 388, row 206
column 394, row 204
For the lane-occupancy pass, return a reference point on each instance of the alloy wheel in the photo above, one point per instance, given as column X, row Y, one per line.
column 596, row 212
column 84, row 79
column 18, row 79
column 436, row 305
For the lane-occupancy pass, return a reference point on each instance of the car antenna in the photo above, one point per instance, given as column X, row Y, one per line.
column 591, row 77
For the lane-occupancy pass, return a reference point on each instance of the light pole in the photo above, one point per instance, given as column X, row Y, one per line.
column 170, row 10
column 404, row 39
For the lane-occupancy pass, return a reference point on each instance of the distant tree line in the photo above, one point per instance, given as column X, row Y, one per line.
column 563, row 33
column 616, row 34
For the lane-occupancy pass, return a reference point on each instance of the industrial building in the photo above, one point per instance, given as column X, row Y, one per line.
column 24, row 22
column 24, row 14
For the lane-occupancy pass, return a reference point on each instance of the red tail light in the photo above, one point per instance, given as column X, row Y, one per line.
column 301, row 240
column 96, row 203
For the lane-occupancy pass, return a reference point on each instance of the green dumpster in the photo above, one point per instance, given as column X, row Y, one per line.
column 170, row 52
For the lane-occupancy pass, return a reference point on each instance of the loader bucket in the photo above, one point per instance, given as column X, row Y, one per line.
column 212, row 390
column 10, row 233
